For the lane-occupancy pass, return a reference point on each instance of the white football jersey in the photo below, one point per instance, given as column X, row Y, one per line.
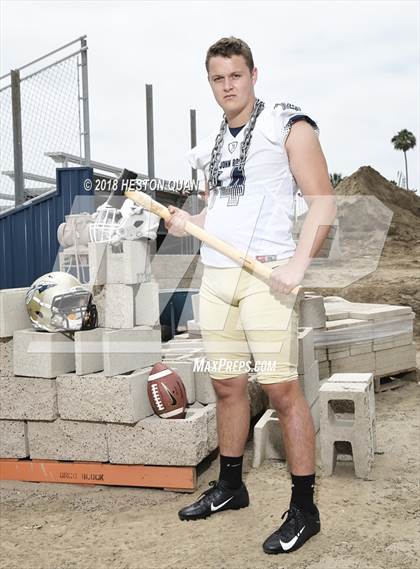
column 253, row 212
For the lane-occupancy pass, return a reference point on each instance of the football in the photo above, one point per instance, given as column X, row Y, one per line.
column 166, row 391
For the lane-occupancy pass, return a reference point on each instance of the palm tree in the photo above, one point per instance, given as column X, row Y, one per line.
column 404, row 140
column 335, row 179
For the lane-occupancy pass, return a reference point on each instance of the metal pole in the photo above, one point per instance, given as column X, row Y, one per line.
column 85, row 98
column 194, row 243
column 150, row 150
column 193, row 132
column 17, row 137
column 150, row 134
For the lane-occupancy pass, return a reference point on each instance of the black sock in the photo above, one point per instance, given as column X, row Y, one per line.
column 231, row 471
column 303, row 492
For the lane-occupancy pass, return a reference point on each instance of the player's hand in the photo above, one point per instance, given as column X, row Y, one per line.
column 285, row 278
column 176, row 224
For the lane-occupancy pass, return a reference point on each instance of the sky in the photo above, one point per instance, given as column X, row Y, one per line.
column 351, row 66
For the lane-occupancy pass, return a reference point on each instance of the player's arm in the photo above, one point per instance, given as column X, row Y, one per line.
column 175, row 225
column 199, row 219
column 309, row 168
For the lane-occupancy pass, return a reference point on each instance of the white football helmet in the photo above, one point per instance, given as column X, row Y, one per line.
column 57, row 302
column 131, row 222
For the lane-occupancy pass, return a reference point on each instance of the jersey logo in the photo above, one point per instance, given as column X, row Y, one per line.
column 232, row 146
column 236, row 187
column 233, row 193
column 285, row 106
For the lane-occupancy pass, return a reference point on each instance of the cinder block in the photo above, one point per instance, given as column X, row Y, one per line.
column 175, row 266
column 306, row 349
column 321, row 354
column 324, row 369
column 204, row 390
column 195, row 299
column 13, row 439
column 128, row 350
column 361, row 348
column 6, row 356
column 115, row 305
column 338, row 315
column 13, row 313
column 185, row 369
column 146, row 304
column 360, row 378
column 28, row 398
column 337, row 353
column 361, row 362
column 42, row 354
column 268, row 440
column 128, row 263
column 395, row 359
column 194, row 329
column 181, row 442
column 382, row 343
column 212, row 438
column 315, row 412
column 181, row 342
column 97, row 263
column 95, row 397
column 312, row 312
column 378, row 312
column 355, row 428
column 343, row 323
column 403, row 339
column 68, row 440
column 309, row 382
column 88, row 350
column 125, row 263
column 177, row 352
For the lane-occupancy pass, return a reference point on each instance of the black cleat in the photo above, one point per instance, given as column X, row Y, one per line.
column 299, row 526
column 216, row 499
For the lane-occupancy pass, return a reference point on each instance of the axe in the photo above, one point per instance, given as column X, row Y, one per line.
column 251, row 264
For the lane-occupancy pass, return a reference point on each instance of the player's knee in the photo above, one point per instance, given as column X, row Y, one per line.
column 283, row 395
column 231, row 387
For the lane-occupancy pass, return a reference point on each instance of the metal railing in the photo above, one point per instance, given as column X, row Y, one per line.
column 41, row 112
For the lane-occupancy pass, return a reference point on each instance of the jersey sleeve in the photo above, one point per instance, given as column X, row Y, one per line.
column 193, row 157
column 284, row 117
column 199, row 156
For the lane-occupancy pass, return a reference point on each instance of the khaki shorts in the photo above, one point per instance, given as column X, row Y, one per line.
column 244, row 324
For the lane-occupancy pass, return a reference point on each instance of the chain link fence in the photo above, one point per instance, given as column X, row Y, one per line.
column 42, row 113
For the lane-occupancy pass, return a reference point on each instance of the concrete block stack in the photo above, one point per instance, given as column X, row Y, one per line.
column 352, row 337
column 86, row 399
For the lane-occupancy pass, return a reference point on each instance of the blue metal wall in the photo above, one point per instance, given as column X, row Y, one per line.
column 28, row 233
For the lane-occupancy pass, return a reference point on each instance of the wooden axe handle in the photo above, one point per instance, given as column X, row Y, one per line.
column 259, row 269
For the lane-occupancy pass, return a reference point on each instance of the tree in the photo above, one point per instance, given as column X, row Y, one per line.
column 335, row 179
column 404, row 140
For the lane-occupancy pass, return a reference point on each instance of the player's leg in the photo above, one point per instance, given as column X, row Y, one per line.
column 227, row 353
column 233, row 414
column 270, row 322
column 296, row 423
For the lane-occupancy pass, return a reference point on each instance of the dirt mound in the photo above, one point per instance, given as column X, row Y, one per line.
column 396, row 279
column 366, row 181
